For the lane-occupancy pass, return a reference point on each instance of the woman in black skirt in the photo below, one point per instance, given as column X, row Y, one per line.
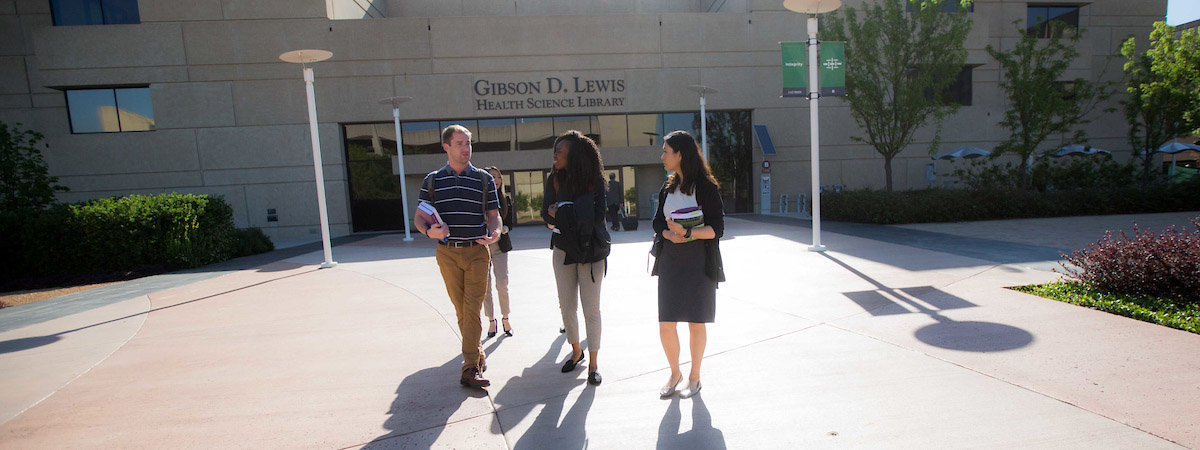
column 689, row 258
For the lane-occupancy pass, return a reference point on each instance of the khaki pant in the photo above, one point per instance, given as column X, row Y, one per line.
column 499, row 274
column 575, row 287
column 464, row 270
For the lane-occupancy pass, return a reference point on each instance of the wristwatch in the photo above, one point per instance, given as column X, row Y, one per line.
column 688, row 233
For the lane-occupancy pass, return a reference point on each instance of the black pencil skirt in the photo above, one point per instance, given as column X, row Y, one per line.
column 685, row 293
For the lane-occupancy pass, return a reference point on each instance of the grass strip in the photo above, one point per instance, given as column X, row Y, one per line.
column 1163, row 311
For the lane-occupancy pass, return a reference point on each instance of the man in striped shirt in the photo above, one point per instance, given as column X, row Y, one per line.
column 465, row 198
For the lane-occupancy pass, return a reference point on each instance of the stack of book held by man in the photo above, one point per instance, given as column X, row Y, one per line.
column 689, row 217
column 436, row 219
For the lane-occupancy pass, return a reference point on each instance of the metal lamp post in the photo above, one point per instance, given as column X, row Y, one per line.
column 812, row 8
column 395, row 102
column 702, row 90
column 303, row 57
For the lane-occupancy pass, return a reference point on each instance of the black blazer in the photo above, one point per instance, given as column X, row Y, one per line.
column 708, row 196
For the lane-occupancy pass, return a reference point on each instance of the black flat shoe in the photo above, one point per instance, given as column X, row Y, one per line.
column 562, row 329
column 594, row 378
column 570, row 365
column 507, row 327
column 491, row 332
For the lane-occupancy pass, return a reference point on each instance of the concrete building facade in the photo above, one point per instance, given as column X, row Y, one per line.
column 204, row 104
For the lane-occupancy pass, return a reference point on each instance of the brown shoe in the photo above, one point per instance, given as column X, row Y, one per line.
column 473, row 378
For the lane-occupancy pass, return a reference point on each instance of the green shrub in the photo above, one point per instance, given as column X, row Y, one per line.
column 1147, row 308
column 123, row 233
column 959, row 205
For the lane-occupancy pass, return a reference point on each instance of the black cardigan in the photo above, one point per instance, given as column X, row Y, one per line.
column 709, row 199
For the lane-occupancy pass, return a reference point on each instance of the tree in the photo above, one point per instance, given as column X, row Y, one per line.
column 896, row 61
column 1041, row 104
column 25, row 182
column 1164, row 91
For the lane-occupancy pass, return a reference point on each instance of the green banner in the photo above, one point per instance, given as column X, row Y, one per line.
column 831, row 71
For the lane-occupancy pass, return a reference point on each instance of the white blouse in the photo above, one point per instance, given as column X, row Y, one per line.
column 678, row 200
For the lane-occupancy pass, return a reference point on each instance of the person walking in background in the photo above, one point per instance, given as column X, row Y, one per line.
column 574, row 205
column 465, row 198
column 688, row 263
column 498, row 276
column 614, row 198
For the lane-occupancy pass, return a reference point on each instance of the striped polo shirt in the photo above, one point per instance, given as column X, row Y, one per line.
column 458, row 198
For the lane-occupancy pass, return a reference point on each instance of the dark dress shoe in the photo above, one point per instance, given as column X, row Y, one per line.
column 594, row 378
column 570, row 364
column 562, row 329
column 473, row 378
column 491, row 333
column 507, row 327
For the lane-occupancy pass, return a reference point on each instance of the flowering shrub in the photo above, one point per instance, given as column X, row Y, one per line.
column 1166, row 264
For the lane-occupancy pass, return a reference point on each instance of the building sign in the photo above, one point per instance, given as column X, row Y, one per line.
column 525, row 92
column 831, row 72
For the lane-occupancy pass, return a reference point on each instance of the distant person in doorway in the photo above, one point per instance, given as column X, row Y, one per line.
column 465, row 198
column 688, row 265
column 614, row 198
column 498, row 277
column 574, row 205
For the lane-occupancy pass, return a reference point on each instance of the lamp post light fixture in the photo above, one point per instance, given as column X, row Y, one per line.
column 702, row 90
column 396, row 102
column 812, row 8
column 304, row 57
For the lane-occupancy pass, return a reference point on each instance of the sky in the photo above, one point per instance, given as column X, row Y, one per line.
column 1182, row 11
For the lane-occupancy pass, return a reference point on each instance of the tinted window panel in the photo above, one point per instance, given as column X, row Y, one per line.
column 92, row 111
column 689, row 122
column 121, row 11
column 495, row 135
column 77, row 12
column 582, row 124
column 645, row 129
column 134, row 109
column 534, row 133
column 613, row 131
column 421, row 138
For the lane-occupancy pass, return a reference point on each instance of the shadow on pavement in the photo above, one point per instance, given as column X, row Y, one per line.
column 544, row 378
column 947, row 333
column 702, row 436
column 425, row 401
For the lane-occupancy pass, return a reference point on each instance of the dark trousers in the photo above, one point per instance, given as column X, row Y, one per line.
column 614, row 216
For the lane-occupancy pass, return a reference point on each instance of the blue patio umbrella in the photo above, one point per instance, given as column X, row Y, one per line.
column 1076, row 149
column 963, row 152
column 1176, row 147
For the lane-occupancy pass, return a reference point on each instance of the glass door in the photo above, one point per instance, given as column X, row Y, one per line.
column 527, row 195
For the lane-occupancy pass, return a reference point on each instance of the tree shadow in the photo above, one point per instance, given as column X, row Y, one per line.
column 701, row 436
column 425, row 401
column 545, row 380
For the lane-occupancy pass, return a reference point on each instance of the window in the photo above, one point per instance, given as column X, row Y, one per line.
column 94, row 12
column 110, row 110
column 495, row 135
column 1049, row 21
column 946, row 6
column 421, row 138
column 582, row 124
column 689, row 122
column 612, row 131
column 960, row 91
column 645, row 129
column 535, row 133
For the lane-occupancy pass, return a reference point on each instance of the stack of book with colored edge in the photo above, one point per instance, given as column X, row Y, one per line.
column 427, row 208
column 689, row 217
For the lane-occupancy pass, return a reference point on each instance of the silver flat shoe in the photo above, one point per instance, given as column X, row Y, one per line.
column 693, row 388
column 669, row 389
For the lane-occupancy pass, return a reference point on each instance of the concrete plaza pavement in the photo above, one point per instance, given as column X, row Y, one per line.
column 894, row 338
